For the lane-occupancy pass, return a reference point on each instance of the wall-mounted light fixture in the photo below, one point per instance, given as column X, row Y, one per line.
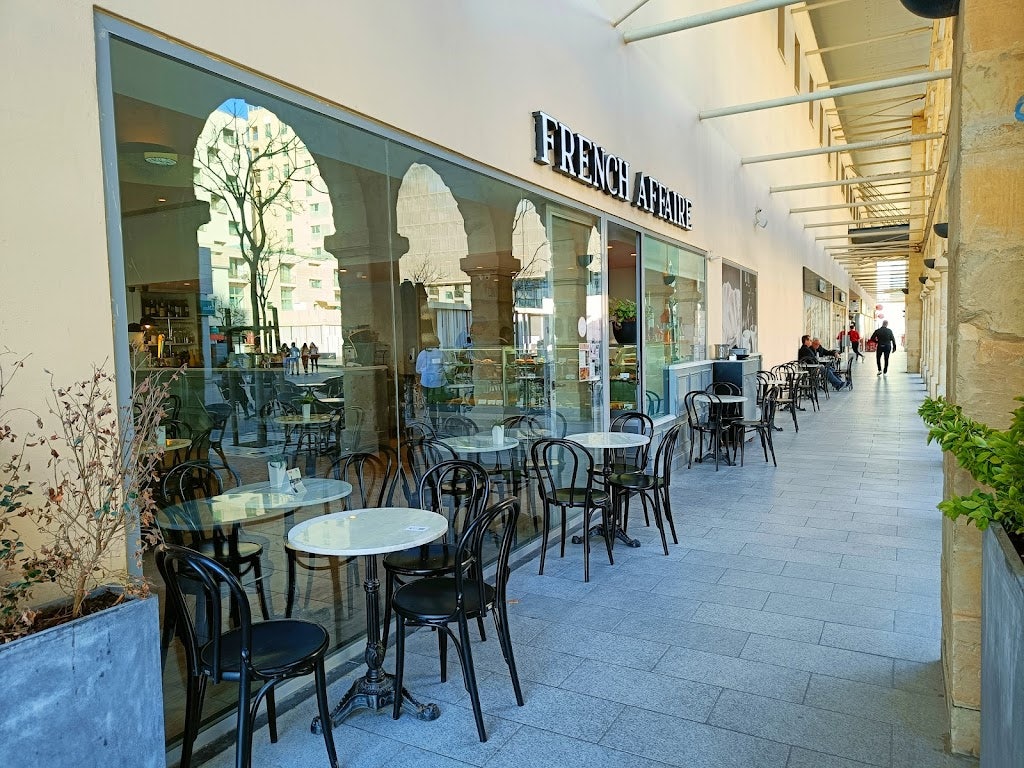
column 930, row 263
column 922, row 279
column 760, row 218
column 942, row 229
column 584, row 260
column 668, row 279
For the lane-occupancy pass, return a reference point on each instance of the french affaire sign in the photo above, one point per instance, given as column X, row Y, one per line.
column 576, row 156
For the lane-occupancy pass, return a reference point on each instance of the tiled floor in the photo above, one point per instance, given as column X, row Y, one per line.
column 795, row 625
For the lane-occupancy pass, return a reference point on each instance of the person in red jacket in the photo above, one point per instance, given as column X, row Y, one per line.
column 854, row 338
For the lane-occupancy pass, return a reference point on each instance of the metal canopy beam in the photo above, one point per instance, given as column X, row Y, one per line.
column 885, row 220
column 828, row 93
column 630, row 12
column 703, row 19
column 879, row 39
column 838, row 148
column 862, row 204
column 881, row 177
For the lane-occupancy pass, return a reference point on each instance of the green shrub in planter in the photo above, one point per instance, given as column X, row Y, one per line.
column 994, row 458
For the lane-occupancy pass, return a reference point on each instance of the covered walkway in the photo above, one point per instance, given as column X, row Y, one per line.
column 796, row 624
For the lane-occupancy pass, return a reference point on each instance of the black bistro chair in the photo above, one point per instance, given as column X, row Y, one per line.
column 266, row 652
column 762, row 425
column 652, row 487
column 567, row 482
column 704, row 417
column 447, row 488
column 466, row 594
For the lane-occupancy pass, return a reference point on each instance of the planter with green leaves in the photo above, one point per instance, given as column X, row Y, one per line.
column 623, row 316
column 994, row 458
column 79, row 647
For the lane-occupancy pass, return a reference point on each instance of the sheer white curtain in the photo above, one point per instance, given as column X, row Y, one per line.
column 452, row 328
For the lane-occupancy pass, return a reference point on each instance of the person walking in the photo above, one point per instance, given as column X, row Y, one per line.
column 314, row 356
column 854, row 337
column 304, row 354
column 885, row 343
column 293, row 359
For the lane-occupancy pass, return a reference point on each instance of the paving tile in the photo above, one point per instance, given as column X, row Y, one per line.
column 828, row 610
column 802, row 726
column 850, row 665
column 646, row 570
column 413, row 757
column 847, row 548
column 737, row 674
column 930, row 545
column 805, row 758
column 712, row 593
column 539, row 748
column 896, row 568
column 783, row 584
column 922, row 624
column 681, row 742
column 918, row 586
column 753, row 537
column 562, row 710
column 915, row 676
column 793, row 555
column 564, row 611
column 603, row 646
column 894, row 644
column 622, row 601
column 806, row 531
column 774, row 624
column 736, row 562
column 655, row 692
column 682, row 634
column 849, row 576
column 897, row 601
column 925, row 712
column 525, row 579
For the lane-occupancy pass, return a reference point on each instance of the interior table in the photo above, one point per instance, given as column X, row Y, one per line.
column 370, row 532
column 483, row 443
column 608, row 442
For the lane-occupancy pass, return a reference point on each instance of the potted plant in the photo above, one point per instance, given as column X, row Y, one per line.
column 79, row 653
column 307, row 400
column 995, row 459
column 623, row 317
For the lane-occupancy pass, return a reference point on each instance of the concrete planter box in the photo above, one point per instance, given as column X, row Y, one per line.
column 86, row 693
column 1002, row 652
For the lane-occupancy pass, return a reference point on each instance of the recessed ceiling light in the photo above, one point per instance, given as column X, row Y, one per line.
column 161, row 199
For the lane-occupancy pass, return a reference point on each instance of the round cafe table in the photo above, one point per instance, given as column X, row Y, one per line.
column 370, row 532
column 482, row 443
column 608, row 442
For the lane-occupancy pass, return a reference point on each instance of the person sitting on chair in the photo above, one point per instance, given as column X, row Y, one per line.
column 830, row 373
column 806, row 353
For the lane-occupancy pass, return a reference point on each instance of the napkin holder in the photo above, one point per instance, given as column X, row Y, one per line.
column 277, row 469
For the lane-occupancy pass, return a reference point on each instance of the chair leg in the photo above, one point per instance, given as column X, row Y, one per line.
column 195, row 691
column 586, row 543
column 667, row 510
column 500, row 613
column 545, row 532
column 243, row 729
column 609, row 519
column 399, row 666
column 442, row 654
column 320, row 679
column 257, row 572
column 466, row 653
column 271, row 715
column 771, row 447
column 290, row 598
column 389, row 592
column 658, row 520
column 169, row 629
column 564, row 522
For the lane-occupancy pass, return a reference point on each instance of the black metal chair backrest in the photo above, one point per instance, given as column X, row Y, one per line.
column 421, row 455
column 172, row 407
column 553, row 421
column 665, row 454
column 190, row 481
column 465, row 483
column 457, row 425
column 723, row 388
column 769, row 403
column 187, row 572
column 416, row 430
column 703, row 409
column 566, row 472
column 479, row 531
column 654, row 402
column 635, row 423
column 372, row 475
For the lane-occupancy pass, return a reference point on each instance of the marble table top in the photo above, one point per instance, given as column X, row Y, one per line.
column 367, row 531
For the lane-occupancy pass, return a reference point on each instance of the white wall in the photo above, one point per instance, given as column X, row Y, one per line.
column 463, row 74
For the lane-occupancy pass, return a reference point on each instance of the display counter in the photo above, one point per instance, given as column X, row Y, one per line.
column 681, row 378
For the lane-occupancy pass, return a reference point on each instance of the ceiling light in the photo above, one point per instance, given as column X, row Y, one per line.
column 163, row 159
column 159, row 155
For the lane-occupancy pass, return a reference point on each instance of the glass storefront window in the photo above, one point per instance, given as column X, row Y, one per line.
column 281, row 257
column 674, row 314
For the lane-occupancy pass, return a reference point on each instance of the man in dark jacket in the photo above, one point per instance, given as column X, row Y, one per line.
column 806, row 353
column 885, row 343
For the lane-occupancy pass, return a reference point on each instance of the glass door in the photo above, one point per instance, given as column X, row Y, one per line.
column 624, row 344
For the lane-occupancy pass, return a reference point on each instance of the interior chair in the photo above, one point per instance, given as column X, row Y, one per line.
column 788, row 397
column 421, row 455
column 373, row 477
column 567, row 483
column 464, row 595
column 266, row 652
column 212, row 438
column 438, row 559
column 457, row 425
column 762, row 425
column 415, row 430
column 654, row 402
column 518, row 471
column 704, row 417
column 172, row 407
column 653, row 487
column 181, row 524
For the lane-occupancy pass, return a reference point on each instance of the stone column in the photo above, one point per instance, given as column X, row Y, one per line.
column 915, row 262
column 985, row 324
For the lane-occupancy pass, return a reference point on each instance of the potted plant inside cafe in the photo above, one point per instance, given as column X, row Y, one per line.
column 307, row 400
column 79, row 648
column 995, row 459
column 623, row 316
